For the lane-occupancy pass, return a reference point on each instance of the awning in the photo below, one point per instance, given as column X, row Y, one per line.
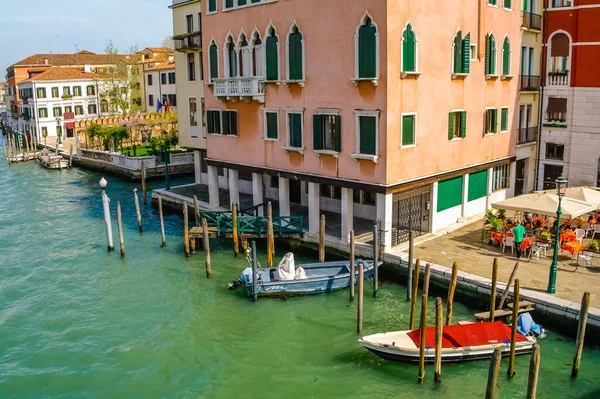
column 546, row 204
column 70, row 125
column 586, row 194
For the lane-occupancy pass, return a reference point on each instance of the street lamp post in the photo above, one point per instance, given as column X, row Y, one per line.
column 107, row 222
column 561, row 187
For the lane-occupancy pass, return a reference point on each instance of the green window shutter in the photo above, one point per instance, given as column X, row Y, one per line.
column 338, row 133
column 458, row 53
column 487, row 55
column 295, row 56
column 296, row 130
column 463, row 124
column 506, row 58
column 504, row 119
column 272, row 58
column 494, row 120
column 449, row 193
column 492, row 56
column 507, row 3
column 272, row 125
column 241, row 2
column 43, row 92
column 214, row 61
column 233, row 123
column 212, row 5
column 450, row 125
column 228, row 3
column 317, row 132
column 367, row 51
column 408, row 137
column 368, row 134
column 466, row 50
column 210, row 126
column 408, row 56
column 225, row 122
column 477, row 185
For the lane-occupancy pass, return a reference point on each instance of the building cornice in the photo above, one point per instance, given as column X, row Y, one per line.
column 181, row 3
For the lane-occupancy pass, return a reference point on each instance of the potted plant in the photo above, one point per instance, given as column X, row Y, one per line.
column 501, row 214
column 594, row 245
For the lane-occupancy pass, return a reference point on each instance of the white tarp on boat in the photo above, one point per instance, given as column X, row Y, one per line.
column 286, row 269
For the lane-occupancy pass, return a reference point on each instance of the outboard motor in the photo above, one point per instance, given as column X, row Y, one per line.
column 245, row 278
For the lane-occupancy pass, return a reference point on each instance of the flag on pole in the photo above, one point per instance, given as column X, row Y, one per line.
column 159, row 105
column 167, row 105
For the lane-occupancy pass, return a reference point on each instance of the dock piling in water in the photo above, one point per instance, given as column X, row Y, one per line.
column 491, row 391
column 137, row 209
column 254, row 267
column 186, row 233
column 583, row 315
column 107, row 221
column 415, row 291
column 270, row 235
column 359, row 308
column 513, row 332
column 439, row 325
column 534, row 368
column 120, row 227
column 375, row 259
column 410, row 265
column 322, row 239
column 143, row 176
column 71, row 160
column 206, row 242
column 234, row 222
column 422, row 337
column 426, row 279
column 352, row 268
column 513, row 274
column 162, row 222
column 451, row 290
column 196, row 212
column 493, row 292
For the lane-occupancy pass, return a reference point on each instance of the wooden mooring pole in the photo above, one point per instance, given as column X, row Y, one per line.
column 410, row 265
column 206, row 242
column 415, row 290
column 423, row 337
column 375, row 259
column 322, row 240
column 26, row 144
column 196, row 212
column 513, row 274
column 143, row 176
column 583, row 315
column 254, row 267
column 513, row 332
column 270, row 235
column 352, row 268
column 162, row 222
column 451, row 290
column 439, row 325
column 137, row 209
column 186, row 233
column 234, row 222
column 493, row 292
column 359, row 315
column 426, row 278
column 491, row 391
column 120, row 227
column 71, row 164
column 534, row 369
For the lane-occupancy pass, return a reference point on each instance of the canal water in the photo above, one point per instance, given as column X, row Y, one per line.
column 79, row 322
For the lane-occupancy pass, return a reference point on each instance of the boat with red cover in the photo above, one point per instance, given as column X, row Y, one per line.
column 460, row 343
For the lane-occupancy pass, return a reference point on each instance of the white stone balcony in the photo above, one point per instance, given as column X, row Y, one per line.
column 250, row 88
column 558, row 79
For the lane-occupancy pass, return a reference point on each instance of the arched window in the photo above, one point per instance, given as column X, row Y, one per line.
column 506, row 57
column 272, row 55
column 213, row 61
column 103, row 106
column 367, row 48
column 559, row 51
column 490, row 54
column 461, row 53
column 246, row 51
column 231, row 57
column 258, row 55
column 295, row 53
column 409, row 49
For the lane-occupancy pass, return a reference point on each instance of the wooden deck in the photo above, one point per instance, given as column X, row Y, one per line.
column 524, row 306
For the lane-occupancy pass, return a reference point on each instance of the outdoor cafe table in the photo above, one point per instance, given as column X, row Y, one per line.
column 526, row 243
column 572, row 247
column 568, row 236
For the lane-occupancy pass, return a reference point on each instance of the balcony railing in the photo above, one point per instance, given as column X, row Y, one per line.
column 246, row 88
column 527, row 135
column 188, row 42
column 532, row 21
column 529, row 83
column 558, row 79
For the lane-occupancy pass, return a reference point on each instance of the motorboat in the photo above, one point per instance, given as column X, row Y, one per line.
column 289, row 279
column 52, row 161
column 460, row 342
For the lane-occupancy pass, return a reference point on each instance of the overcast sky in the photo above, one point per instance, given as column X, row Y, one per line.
column 62, row 26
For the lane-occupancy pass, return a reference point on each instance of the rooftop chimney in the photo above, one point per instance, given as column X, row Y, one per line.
column 87, row 68
column 45, row 61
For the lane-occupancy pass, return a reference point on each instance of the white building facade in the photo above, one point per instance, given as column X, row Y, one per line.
column 160, row 84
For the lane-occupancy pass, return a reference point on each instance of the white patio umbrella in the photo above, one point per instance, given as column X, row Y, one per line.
column 586, row 194
column 546, row 204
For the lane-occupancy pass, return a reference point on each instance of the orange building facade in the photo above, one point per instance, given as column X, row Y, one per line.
column 376, row 112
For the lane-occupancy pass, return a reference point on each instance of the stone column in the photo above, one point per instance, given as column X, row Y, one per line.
column 213, row 186
column 257, row 192
column 347, row 213
column 465, row 196
column 510, row 192
column 384, row 216
column 284, row 196
column 313, row 208
column 488, row 198
column 234, row 188
column 197, row 168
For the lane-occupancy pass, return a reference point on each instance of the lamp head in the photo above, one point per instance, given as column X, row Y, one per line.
column 561, row 186
column 103, row 183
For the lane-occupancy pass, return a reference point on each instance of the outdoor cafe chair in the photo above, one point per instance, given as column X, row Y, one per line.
column 579, row 234
column 596, row 230
column 508, row 242
column 537, row 248
column 586, row 256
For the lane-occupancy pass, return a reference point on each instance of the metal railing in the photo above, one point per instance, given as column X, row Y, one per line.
column 532, row 21
column 529, row 83
column 527, row 135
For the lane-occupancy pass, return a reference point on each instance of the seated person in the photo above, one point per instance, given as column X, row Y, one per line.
column 538, row 224
column 542, row 230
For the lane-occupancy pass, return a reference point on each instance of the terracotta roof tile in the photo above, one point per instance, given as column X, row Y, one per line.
column 82, row 57
column 160, row 67
column 64, row 74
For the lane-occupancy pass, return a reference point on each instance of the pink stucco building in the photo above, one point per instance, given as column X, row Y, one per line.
column 400, row 112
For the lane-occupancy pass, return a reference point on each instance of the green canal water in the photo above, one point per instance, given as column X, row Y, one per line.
column 78, row 322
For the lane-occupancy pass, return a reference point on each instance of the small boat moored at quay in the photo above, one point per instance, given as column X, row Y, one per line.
column 460, row 343
column 288, row 279
column 51, row 161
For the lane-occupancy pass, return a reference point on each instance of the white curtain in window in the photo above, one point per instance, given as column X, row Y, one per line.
column 260, row 60
column 246, row 61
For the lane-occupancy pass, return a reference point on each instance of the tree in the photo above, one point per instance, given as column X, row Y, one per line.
column 168, row 42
